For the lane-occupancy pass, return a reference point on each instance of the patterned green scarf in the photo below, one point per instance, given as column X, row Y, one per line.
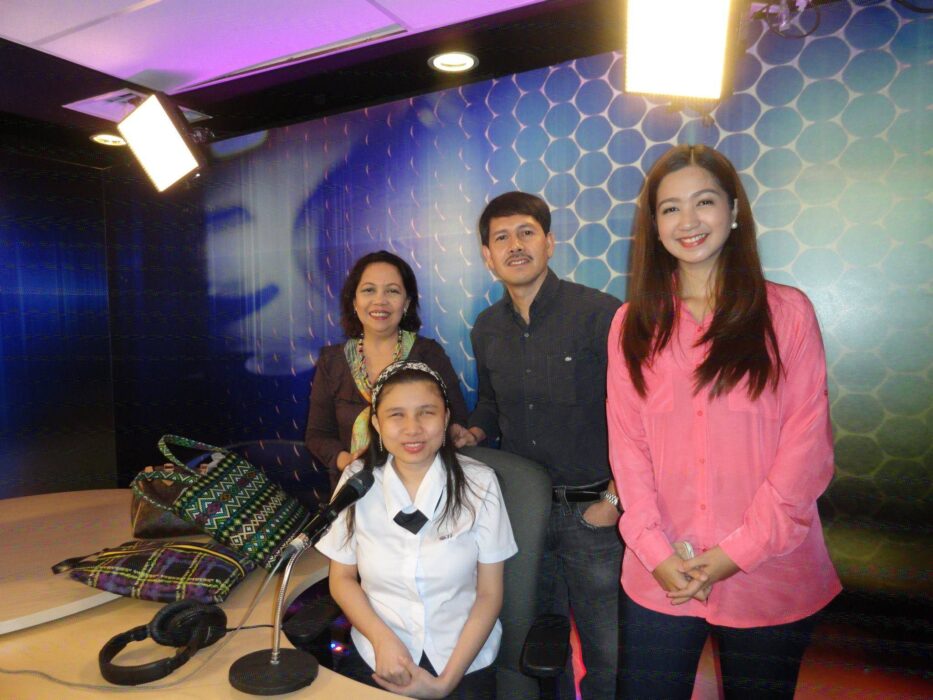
column 352, row 349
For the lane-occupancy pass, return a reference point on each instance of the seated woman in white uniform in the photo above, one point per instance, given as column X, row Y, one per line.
column 416, row 564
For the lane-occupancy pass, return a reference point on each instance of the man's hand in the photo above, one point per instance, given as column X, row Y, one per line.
column 601, row 514
column 466, row 437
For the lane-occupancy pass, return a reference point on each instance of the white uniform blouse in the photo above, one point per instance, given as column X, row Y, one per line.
column 423, row 585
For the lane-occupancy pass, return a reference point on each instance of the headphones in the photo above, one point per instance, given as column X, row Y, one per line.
column 185, row 624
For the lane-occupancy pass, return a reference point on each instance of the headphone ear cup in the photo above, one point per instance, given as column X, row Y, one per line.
column 216, row 621
column 184, row 624
column 174, row 625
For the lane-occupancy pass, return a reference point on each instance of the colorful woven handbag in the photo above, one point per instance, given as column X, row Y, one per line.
column 162, row 571
column 234, row 502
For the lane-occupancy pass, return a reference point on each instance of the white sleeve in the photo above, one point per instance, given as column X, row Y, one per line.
column 334, row 544
column 492, row 529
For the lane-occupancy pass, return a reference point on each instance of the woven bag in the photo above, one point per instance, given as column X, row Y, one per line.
column 234, row 502
column 162, row 571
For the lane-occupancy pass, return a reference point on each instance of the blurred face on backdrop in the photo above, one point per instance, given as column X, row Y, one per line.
column 262, row 248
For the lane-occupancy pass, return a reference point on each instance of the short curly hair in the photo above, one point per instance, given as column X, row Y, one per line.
column 349, row 321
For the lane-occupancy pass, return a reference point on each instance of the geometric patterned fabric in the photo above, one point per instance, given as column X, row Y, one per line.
column 236, row 504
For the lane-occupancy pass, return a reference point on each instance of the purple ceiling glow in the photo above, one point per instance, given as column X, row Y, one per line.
column 173, row 45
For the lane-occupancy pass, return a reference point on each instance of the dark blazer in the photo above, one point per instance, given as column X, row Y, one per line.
column 336, row 402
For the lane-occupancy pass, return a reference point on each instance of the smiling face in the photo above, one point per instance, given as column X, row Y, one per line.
column 518, row 250
column 380, row 299
column 411, row 419
column 694, row 216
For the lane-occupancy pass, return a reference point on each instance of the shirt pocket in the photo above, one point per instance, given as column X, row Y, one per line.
column 561, row 380
column 574, row 376
column 765, row 406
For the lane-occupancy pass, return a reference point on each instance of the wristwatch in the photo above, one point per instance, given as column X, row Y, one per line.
column 610, row 497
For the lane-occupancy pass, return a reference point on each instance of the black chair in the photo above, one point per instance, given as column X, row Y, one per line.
column 534, row 649
column 289, row 464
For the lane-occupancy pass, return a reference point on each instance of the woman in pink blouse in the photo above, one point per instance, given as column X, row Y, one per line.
column 720, row 441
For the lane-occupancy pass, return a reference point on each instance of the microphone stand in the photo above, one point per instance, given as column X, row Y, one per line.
column 275, row 671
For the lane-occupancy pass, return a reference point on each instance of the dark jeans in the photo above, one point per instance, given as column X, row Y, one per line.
column 580, row 575
column 660, row 654
column 478, row 685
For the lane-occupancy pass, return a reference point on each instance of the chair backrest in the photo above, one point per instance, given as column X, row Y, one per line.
column 289, row 464
column 526, row 489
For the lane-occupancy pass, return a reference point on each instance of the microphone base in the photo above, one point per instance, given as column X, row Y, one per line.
column 255, row 674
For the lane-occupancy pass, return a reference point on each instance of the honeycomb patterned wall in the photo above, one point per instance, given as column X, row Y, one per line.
column 831, row 134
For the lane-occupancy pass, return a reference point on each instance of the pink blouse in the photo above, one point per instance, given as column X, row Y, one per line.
column 729, row 471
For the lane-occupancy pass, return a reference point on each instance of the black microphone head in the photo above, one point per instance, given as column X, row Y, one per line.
column 362, row 481
column 353, row 490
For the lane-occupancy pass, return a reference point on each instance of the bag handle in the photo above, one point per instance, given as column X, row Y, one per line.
column 179, row 477
column 180, row 441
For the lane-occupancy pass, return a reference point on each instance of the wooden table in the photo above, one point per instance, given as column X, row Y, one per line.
column 58, row 626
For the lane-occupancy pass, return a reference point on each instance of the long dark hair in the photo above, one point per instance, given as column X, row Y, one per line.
column 376, row 457
column 352, row 327
column 741, row 336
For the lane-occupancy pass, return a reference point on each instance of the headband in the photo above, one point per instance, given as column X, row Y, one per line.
column 397, row 367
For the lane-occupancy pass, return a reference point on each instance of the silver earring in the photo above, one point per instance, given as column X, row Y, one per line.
column 735, row 225
column 381, row 448
column 444, row 439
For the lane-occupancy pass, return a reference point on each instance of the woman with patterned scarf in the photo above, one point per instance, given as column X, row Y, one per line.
column 379, row 315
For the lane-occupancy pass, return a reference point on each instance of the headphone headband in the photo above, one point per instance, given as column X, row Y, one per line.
column 190, row 625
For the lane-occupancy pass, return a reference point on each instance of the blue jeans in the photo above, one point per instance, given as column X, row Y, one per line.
column 580, row 575
column 660, row 654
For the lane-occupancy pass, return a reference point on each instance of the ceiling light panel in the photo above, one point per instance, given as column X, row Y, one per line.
column 158, row 143
column 676, row 47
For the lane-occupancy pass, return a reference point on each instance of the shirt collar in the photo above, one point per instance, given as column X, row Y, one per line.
column 427, row 497
column 680, row 308
column 543, row 299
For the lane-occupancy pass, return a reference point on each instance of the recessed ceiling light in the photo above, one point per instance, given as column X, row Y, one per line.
column 453, row 62
column 108, row 140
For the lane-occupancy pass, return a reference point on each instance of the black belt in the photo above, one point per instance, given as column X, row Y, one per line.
column 580, row 495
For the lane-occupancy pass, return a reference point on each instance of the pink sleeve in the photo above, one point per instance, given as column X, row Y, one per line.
column 784, row 506
column 630, row 458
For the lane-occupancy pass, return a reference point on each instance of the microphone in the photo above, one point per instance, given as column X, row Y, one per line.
column 352, row 491
column 276, row 671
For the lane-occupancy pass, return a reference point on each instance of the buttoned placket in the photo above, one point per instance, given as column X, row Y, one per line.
column 696, row 352
column 396, row 498
column 527, row 377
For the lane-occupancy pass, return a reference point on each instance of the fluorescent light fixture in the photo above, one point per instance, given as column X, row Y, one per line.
column 453, row 62
column 156, row 133
column 108, row 139
column 676, row 47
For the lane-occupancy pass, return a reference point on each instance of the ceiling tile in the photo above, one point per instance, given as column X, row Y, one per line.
column 420, row 14
column 174, row 43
